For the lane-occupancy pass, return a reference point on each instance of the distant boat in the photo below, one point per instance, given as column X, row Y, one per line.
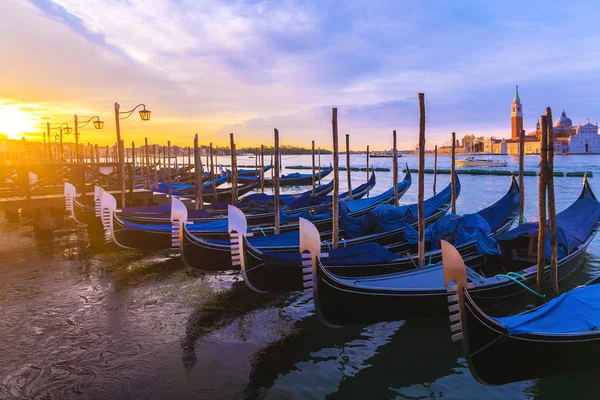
column 386, row 154
column 251, row 155
column 480, row 162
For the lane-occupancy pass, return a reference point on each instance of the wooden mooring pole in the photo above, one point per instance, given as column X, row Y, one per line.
column 336, row 181
column 453, row 172
column 234, row 182
column 541, row 248
column 154, row 166
column 169, row 171
column 319, row 161
column 131, row 173
column 262, row 164
column 198, row 173
column 395, row 167
column 368, row 162
column 348, row 167
column 147, row 152
column 521, row 177
column 312, row 156
column 434, row 169
column 276, row 180
column 421, row 194
column 212, row 169
column 551, row 203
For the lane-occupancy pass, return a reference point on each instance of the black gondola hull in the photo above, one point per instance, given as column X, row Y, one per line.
column 199, row 254
column 340, row 304
column 496, row 357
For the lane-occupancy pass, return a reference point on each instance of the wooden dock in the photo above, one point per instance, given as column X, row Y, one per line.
column 48, row 201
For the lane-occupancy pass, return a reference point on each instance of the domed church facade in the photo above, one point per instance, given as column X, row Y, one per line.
column 568, row 138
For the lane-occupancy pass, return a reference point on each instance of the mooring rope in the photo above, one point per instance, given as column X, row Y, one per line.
column 513, row 277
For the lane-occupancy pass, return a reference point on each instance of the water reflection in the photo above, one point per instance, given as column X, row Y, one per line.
column 82, row 318
column 221, row 310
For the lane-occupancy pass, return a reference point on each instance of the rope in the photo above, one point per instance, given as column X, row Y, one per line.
column 262, row 231
column 513, row 277
column 484, row 347
column 343, row 241
column 411, row 260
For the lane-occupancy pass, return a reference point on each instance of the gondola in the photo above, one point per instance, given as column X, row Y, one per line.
column 558, row 337
column 185, row 189
column 154, row 231
column 224, row 194
column 419, row 293
column 268, row 271
column 293, row 179
column 256, row 204
column 252, row 172
column 82, row 213
column 211, row 250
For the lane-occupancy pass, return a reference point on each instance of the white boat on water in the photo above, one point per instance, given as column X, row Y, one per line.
column 480, row 162
column 386, row 154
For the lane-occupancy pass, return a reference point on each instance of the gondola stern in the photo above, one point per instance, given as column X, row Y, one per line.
column 69, row 193
column 408, row 176
column 587, row 190
column 514, row 185
column 310, row 249
column 455, row 272
column 108, row 204
column 98, row 190
column 237, row 225
column 179, row 217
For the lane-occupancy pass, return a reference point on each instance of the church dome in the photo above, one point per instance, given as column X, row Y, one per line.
column 563, row 121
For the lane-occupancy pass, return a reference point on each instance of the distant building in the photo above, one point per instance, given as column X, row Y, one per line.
column 568, row 138
column 516, row 116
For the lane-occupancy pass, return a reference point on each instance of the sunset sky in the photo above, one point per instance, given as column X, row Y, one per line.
column 214, row 67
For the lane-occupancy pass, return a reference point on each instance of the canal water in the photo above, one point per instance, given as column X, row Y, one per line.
column 83, row 319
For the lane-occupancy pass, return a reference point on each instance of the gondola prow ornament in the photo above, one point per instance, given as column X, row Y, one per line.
column 454, row 271
column 179, row 216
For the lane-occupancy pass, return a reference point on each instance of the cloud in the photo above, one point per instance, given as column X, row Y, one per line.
column 248, row 66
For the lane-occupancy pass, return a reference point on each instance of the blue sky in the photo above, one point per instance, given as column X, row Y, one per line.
column 247, row 67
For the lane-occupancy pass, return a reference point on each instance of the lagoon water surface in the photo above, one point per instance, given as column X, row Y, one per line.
column 81, row 318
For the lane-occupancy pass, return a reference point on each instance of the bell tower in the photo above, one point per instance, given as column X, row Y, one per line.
column 516, row 116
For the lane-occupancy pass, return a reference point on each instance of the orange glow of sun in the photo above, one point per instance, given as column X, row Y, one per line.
column 14, row 122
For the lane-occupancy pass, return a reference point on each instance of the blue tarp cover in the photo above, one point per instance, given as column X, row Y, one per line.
column 295, row 175
column 358, row 205
column 307, row 214
column 497, row 214
column 180, row 189
column 455, row 229
column 152, row 211
column 572, row 312
column 221, row 225
column 147, row 209
column 359, row 254
column 283, row 239
column 212, row 226
column 147, row 227
column 262, row 199
column 385, row 218
column 252, row 171
column 573, row 226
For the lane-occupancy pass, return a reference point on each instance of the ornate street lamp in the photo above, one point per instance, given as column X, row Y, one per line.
column 97, row 124
column 63, row 128
column 119, row 115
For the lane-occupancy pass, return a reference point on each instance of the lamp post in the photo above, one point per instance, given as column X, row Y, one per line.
column 145, row 116
column 66, row 130
column 97, row 124
column 49, row 148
